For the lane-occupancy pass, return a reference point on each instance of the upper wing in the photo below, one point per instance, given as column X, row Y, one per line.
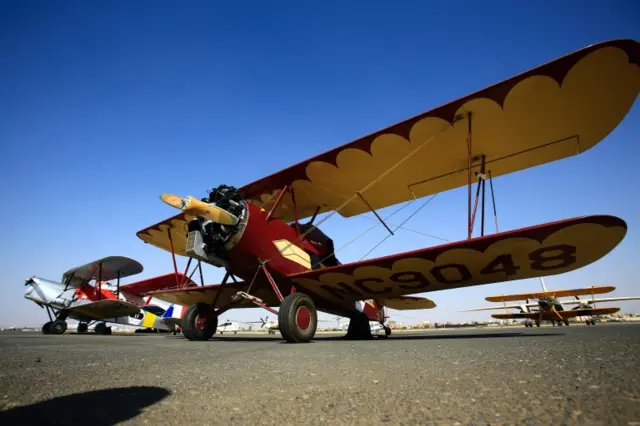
column 553, row 293
column 103, row 309
column 564, row 314
column 209, row 293
column 407, row 302
column 105, row 269
column 554, row 111
column 536, row 251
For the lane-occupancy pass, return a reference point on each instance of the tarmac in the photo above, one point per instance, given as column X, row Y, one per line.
column 575, row 375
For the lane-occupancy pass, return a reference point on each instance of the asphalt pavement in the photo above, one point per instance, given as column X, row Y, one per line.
column 550, row 375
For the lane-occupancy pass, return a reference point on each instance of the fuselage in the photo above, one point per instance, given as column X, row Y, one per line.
column 278, row 243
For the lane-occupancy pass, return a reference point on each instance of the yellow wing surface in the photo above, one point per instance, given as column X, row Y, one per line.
column 554, row 314
column 548, row 249
column 553, row 293
column 557, row 110
column 407, row 302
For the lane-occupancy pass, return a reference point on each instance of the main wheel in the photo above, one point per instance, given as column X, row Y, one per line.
column 297, row 318
column 101, row 328
column 199, row 322
column 82, row 327
column 46, row 328
column 58, row 327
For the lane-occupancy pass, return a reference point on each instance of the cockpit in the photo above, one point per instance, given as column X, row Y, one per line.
column 323, row 243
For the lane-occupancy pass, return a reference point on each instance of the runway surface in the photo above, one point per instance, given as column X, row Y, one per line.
column 549, row 375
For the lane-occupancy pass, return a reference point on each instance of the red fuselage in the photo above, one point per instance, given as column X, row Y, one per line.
column 257, row 245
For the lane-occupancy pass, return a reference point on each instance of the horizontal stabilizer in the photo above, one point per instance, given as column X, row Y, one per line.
column 552, row 293
column 407, row 302
column 564, row 314
column 104, row 309
column 161, row 282
column 105, row 269
column 548, row 249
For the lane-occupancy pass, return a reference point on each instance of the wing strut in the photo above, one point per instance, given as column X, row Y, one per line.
column 493, row 199
column 470, row 220
column 173, row 255
column 374, row 212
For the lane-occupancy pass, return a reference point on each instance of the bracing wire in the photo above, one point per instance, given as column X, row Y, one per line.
column 363, row 234
column 403, row 222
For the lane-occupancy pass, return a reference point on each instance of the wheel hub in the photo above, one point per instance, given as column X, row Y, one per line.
column 303, row 317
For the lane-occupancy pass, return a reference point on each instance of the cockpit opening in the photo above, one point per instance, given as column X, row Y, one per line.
column 323, row 243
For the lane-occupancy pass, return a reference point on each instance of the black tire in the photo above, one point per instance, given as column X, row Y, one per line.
column 46, row 328
column 100, row 328
column 82, row 327
column 199, row 322
column 58, row 327
column 297, row 318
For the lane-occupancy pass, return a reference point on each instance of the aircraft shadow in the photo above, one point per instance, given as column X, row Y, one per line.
column 340, row 338
column 96, row 408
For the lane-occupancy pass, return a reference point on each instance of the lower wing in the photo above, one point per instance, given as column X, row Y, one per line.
column 564, row 314
column 103, row 309
column 216, row 293
column 548, row 249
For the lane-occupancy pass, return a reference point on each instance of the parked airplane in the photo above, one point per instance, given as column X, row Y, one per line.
column 551, row 309
column 76, row 298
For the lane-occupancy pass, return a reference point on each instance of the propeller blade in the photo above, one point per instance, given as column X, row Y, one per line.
column 196, row 207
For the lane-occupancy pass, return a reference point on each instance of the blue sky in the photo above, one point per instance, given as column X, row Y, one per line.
column 105, row 105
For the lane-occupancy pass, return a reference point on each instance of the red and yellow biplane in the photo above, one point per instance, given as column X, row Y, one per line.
column 556, row 110
column 549, row 308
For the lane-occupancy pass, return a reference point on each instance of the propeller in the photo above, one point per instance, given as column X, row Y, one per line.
column 196, row 207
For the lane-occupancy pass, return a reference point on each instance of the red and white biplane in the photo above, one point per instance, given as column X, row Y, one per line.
column 556, row 110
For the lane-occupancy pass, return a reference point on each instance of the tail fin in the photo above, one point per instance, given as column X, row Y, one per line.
column 168, row 313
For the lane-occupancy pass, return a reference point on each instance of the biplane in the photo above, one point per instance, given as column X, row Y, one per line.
column 86, row 296
column 549, row 308
column 273, row 260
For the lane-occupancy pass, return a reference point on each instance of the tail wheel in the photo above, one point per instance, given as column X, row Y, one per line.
column 199, row 322
column 297, row 318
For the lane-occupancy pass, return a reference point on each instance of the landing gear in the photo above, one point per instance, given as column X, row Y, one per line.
column 297, row 318
column 54, row 327
column 82, row 327
column 101, row 328
column 387, row 330
column 528, row 323
column 199, row 322
column 360, row 328
column 590, row 321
